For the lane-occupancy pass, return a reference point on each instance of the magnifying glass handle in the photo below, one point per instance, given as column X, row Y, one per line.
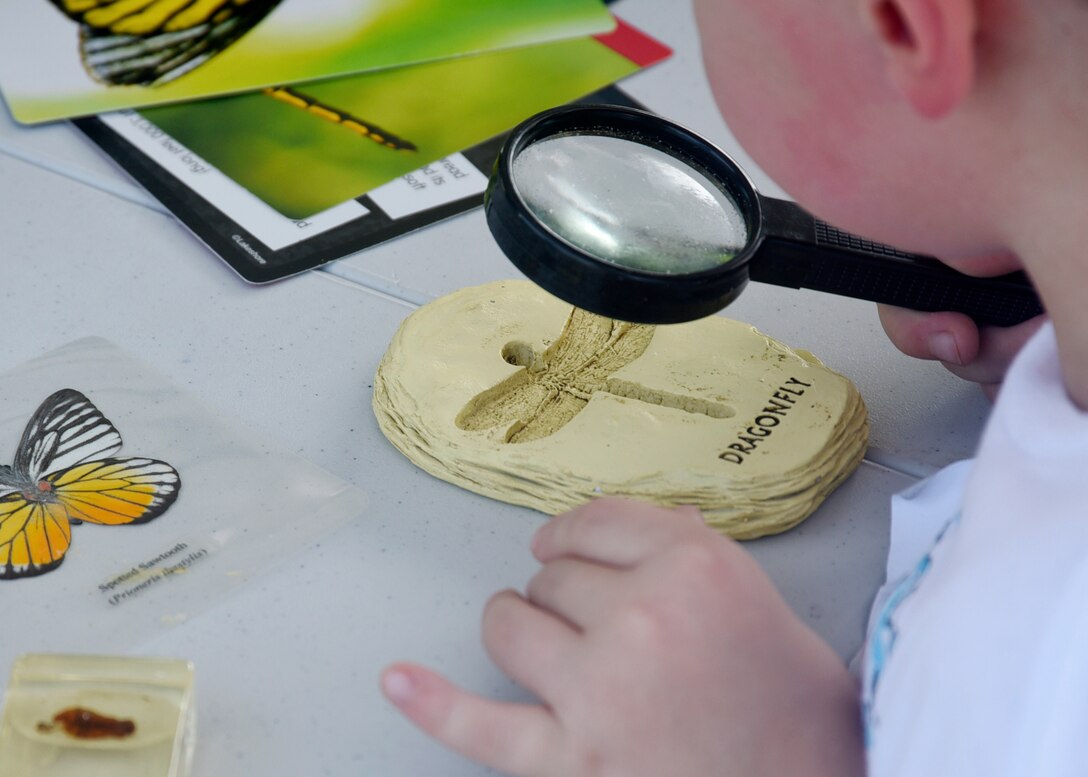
column 802, row 252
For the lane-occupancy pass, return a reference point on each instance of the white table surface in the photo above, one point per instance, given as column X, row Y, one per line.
column 287, row 667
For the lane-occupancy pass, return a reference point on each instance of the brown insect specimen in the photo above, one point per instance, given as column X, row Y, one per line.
column 83, row 723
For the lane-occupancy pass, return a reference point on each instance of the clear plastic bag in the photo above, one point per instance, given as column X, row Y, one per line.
column 243, row 504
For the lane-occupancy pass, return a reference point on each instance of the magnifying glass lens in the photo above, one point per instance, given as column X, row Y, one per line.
column 629, row 204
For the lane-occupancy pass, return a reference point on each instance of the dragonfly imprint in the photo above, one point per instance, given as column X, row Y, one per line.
column 556, row 385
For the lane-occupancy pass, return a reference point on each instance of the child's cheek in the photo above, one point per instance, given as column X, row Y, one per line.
column 802, row 90
column 778, row 84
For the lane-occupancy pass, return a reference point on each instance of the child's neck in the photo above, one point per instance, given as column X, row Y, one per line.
column 1057, row 259
column 1070, row 317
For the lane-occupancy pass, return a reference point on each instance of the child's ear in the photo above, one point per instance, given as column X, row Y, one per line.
column 929, row 46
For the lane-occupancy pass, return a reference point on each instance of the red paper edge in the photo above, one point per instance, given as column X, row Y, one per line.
column 634, row 44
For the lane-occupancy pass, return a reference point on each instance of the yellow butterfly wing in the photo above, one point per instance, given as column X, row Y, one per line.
column 114, row 492
column 35, row 527
column 34, row 536
column 150, row 42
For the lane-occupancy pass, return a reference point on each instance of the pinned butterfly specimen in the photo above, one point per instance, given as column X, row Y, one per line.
column 152, row 42
column 63, row 474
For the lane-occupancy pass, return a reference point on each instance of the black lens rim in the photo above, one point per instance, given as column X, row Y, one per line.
column 602, row 287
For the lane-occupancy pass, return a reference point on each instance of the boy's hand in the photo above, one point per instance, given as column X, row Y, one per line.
column 656, row 648
column 978, row 355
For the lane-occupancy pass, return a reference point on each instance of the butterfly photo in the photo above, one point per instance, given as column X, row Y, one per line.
column 66, row 58
column 149, row 42
column 64, row 474
column 153, row 42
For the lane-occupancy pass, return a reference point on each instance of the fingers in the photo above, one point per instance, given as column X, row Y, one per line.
column 978, row 355
column 620, row 532
column 998, row 346
column 952, row 338
column 579, row 591
column 512, row 738
column 532, row 646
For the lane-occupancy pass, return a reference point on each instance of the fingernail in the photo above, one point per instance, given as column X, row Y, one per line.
column 398, row 686
column 943, row 346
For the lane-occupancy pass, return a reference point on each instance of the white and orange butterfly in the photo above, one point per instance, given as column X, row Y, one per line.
column 63, row 475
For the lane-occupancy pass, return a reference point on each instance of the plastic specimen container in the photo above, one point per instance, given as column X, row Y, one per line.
column 97, row 716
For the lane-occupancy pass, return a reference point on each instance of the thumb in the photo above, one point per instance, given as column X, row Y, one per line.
column 952, row 338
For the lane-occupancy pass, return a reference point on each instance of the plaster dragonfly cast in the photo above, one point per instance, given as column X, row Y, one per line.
column 503, row 390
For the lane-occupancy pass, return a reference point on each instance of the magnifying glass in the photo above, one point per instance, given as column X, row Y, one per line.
column 631, row 216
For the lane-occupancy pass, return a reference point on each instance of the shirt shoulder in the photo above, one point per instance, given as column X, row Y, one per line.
column 974, row 665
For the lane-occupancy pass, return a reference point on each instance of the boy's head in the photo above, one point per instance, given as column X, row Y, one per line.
column 924, row 123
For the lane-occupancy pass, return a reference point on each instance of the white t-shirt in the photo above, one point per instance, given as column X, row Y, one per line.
column 977, row 657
